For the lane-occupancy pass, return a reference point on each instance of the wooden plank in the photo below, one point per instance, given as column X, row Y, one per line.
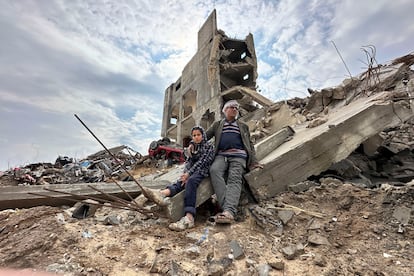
column 313, row 150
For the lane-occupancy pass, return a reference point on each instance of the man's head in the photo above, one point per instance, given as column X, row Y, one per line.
column 231, row 110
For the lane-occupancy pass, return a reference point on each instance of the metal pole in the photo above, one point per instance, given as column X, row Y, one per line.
column 116, row 160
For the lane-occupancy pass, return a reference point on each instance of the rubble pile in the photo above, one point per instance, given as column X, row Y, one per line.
column 336, row 228
column 97, row 167
column 392, row 161
column 387, row 157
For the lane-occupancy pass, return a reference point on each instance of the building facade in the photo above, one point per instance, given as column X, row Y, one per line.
column 222, row 69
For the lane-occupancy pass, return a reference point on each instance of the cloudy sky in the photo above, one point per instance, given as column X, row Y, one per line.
column 110, row 61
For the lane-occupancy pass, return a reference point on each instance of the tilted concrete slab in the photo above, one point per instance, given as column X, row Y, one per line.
column 175, row 210
column 270, row 143
column 313, row 150
column 30, row 196
column 22, row 197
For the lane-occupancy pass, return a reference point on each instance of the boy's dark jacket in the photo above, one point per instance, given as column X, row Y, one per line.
column 201, row 157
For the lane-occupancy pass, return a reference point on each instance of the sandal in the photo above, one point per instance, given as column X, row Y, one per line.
column 224, row 218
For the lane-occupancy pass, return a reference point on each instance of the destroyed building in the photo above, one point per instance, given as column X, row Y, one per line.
column 296, row 140
column 223, row 68
column 335, row 196
column 304, row 136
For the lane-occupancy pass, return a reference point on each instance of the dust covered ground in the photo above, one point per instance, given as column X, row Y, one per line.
column 334, row 228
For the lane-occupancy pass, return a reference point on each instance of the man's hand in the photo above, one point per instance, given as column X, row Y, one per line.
column 255, row 166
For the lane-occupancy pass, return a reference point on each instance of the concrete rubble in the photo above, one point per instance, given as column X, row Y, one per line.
column 361, row 130
column 97, row 167
column 334, row 197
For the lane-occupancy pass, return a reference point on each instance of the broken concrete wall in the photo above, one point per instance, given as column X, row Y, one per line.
column 222, row 69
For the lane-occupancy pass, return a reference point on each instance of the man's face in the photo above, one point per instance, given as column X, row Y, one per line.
column 231, row 112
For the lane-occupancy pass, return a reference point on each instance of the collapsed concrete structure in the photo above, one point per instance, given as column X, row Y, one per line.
column 223, row 68
column 295, row 139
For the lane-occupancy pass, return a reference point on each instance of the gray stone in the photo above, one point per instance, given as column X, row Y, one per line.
column 317, row 239
column 250, row 262
column 289, row 252
column 193, row 251
column 277, row 264
column 314, row 225
column 193, row 236
column 285, row 215
column 319, row 260
column 301, row 186
column 264, row 269
column 402, row 214
column 112, row 220
column 174, row 269
column 219, row 267
column 300, row 249
column 84, row 209
column 236, row 250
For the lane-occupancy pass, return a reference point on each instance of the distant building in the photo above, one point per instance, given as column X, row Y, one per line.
column 222, row 69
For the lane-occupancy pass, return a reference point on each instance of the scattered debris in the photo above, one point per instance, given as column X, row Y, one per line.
column 350, row 214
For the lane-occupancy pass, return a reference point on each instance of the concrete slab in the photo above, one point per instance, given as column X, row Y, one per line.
column 21, row 197
column 270, row 143
column 313, row 150
column 176, row 209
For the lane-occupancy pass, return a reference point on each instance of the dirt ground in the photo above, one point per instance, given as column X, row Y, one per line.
column 358, row 231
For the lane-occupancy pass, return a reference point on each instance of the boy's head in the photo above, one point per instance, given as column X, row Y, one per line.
column 197, row 134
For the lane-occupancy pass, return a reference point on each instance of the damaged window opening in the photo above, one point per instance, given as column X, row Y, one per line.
column 246, row 77
column 173, row 121
column 243, row 55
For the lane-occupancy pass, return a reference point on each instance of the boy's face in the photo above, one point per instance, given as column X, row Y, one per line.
column 197, row 136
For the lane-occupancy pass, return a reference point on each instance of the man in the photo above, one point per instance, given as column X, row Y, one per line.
column 234, row 154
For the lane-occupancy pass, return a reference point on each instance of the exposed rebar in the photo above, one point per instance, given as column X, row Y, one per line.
column 116, row 160
column 347, row 69
column 92, row 203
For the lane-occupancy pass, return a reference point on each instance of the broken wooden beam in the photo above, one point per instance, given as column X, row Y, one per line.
column 313, row 150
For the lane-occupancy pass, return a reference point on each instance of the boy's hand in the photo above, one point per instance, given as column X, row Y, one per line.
column 184, row 177
column 189, row 150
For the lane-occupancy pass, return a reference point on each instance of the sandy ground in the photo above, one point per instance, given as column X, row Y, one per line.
column 364, row 236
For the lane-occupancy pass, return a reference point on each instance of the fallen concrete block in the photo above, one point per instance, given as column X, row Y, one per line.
column 270, row 143
column 175, row 210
